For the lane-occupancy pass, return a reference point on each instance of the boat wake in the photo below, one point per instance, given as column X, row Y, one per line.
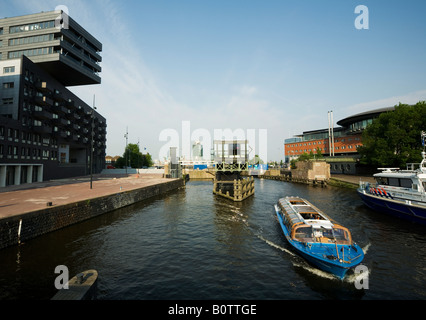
column 365, row 249
column 349, row 278
column 276, row 246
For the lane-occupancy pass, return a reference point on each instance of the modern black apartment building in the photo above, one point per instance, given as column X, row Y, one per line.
column 46, row 131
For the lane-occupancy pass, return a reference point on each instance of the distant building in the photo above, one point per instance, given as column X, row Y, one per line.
column 45, row 130
column 197, row 151
column 342, row 150
column 110, row 161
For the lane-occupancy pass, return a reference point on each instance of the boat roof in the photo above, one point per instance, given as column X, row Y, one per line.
column 296, row 207
column 396, row 174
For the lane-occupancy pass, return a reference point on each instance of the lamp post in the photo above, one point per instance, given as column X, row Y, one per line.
column 91, row 144
column 125, row 150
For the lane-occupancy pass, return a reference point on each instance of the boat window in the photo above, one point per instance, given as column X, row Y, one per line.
column 394, row 182
column 406, row 183
column 341, row 235
column 424, row 185
column 382, row 181
column 303, row 232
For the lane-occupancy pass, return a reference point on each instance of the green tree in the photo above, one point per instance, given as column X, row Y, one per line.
column 134, row 158
column 393, row 139
column 306, row 156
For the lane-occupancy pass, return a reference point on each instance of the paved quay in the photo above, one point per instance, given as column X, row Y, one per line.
column 353, row 179
column 15, row 200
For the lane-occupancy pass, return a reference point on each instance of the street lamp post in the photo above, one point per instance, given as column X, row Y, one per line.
column 125, row 151
column 91, row 144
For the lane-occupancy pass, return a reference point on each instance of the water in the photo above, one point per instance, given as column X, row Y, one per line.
column 191, row 244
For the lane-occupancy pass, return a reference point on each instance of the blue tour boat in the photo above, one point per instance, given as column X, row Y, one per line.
column 318, row 239
column 401, row 193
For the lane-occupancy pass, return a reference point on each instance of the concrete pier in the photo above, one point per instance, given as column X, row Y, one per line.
column 28, row 211
column 237, row 190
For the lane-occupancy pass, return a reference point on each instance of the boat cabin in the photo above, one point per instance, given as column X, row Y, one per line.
column 310, row 233
column 306, row 223
column 402, row 179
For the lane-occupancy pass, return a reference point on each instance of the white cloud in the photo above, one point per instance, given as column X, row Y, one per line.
column 409, row 98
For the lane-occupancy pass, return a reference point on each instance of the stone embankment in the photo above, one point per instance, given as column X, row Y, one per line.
column 29, row 211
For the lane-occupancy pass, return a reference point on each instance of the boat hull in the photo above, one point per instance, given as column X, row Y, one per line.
column 316, row 254
column 399, row 208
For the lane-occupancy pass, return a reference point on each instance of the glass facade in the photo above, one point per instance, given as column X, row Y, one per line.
column 30, row 40
column 360, row 125
column 32, row 27
column 31, row 52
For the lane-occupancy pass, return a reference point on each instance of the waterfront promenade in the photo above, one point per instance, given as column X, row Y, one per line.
column 15, row 200
column 352, row 179
column 29, row 211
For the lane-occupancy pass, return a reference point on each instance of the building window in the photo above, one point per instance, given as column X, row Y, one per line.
column 32, row 27
column 31, row 52
column 30, row 40
column 8, row 85
column 7, row 101
column 1, row 31
column 9, row 69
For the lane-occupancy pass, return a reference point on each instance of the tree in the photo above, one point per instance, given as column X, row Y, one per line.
column 393, row 139
column 307, row 156
column 134, row 158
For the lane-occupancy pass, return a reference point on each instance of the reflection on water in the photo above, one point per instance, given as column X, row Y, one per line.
column 191, row 244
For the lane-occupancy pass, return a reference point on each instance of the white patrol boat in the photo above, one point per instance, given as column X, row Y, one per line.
column 401, row 193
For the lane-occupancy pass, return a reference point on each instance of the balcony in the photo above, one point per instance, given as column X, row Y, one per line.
column 57, row 96
column 43, row 100
column 60, row 110
column 81, row 111
column 70, row 104
column 64, row 134
column 42, row 86
column 42, row 115
column 61, row 122
column 43, row 129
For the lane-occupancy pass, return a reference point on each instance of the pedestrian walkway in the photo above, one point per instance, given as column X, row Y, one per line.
column 354, row 179
column 15, row 200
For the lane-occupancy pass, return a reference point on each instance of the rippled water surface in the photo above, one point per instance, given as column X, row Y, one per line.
column 191, row 244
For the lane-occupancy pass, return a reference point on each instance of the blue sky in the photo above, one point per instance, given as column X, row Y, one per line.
column 277, row 65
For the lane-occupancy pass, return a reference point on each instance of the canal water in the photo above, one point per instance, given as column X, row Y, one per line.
column 193, row 245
